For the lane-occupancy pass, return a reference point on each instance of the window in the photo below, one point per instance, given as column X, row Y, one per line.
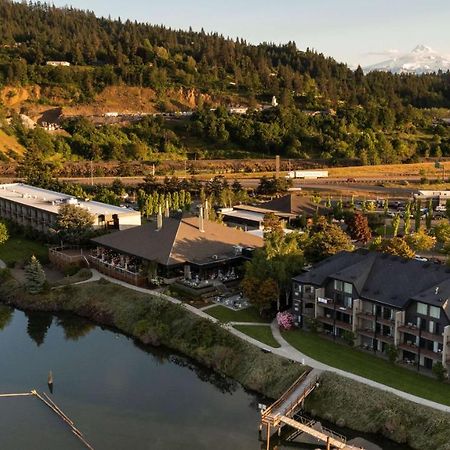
column 435, row 312
column 422, row 309
column 431, row 326
column 338, row 285
column 348, row 288
column 348, row 301
column 386, row 313
column 307, row 289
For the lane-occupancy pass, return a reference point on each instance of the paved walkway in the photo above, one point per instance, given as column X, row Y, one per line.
column 285, row 350
column 290, row 352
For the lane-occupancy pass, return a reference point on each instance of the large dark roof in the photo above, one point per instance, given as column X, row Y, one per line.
column 179, row 240
column 384, row 278
column 292, row 204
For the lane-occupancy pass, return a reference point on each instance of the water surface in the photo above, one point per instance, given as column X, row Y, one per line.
column 120, row 394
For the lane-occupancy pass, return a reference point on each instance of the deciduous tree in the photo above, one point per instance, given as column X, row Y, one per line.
column 358, row 227
column 74, row 224
column 397, row 247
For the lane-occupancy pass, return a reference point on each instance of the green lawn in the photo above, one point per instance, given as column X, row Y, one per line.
column 224, row 314
column 261, row 333
column 17, row 249
column 368, row 366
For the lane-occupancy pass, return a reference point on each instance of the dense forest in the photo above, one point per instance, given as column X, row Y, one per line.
column 374, row 118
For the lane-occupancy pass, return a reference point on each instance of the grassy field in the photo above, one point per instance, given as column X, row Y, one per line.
column 261, row 333
column 368, row 366
column 224, row 314
column 389, row 170
column 8, row 143
column 18, row 249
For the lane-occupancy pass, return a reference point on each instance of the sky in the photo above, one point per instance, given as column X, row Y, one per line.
column 352, row 31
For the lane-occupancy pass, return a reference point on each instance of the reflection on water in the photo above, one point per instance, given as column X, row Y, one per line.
column 121, row 394
column 74, row 327
column 6, row 314
column 38, row 325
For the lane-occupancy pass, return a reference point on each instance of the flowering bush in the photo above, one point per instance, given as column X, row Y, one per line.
column 285, row 320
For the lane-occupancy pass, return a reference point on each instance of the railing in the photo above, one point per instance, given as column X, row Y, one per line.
column 415, row 331
column 291, row 389
column 272, row 414
column 335, row 322
column 118, row 272
column 300, row 398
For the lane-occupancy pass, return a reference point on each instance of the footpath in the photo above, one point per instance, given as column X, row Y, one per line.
column 285, row 350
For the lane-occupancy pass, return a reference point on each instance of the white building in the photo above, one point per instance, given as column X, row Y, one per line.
column 58, row 63
column 38, row 208
column 440, row 196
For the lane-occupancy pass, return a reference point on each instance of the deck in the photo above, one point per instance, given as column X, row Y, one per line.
column 283, row 412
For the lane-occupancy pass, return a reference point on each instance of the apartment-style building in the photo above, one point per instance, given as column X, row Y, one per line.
column 37, row 208
column 382, row 300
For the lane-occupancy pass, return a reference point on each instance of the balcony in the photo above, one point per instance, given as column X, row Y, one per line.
column 410, row 329
column 366, row 315
column 430, row 354
column 385, row 338
column 388, row 322
column 337, row 323
column 366, row 332
column 415, row 331
column 330, row 303
column 423, row 351
column 409, row 348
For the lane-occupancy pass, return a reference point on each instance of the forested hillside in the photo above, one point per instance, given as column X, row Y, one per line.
column 378, row 117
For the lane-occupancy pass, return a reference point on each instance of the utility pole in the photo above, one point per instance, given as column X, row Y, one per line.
column 92, row 173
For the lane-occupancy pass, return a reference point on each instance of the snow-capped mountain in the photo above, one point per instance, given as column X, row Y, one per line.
column 421, row 60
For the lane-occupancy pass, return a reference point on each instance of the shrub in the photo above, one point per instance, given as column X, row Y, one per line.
column 285, row 320
column 71, row 270
column 439, row 371
column 392, row 353
column 349, row 337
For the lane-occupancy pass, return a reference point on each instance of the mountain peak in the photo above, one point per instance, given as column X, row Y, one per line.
column 422, row 59
column 422, row 49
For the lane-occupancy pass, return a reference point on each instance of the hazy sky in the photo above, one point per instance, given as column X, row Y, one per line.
column 353, row 31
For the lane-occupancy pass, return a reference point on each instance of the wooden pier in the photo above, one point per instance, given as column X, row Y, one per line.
column 44, row 398
column 283, row 412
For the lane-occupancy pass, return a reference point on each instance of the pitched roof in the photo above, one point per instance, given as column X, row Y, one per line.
column 292, row 204
column 179, row 240
column 384, row 278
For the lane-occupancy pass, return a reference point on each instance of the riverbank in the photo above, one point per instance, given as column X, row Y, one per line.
column 160, row 323
column 154, row 321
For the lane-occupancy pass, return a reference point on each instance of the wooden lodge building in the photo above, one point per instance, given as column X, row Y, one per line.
column 180, row 246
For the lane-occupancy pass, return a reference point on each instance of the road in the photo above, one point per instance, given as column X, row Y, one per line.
column 361, row 185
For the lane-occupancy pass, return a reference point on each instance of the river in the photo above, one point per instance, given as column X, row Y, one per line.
column 119, row 394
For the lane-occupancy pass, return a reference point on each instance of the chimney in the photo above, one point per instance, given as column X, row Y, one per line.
column 206, row 208
column 167, row 211
column 201, row 226
column 159, row 219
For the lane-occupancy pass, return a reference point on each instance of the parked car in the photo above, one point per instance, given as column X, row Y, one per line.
column 420, row 258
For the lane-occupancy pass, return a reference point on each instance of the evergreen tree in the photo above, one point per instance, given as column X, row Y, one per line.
column 407, row 219
column 417, row 215
column 188, row 201
column 395, row 225
column 34, row 276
